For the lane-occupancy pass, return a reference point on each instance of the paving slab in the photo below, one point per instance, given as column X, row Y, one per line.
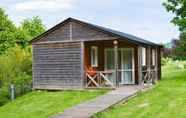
column 91, row 107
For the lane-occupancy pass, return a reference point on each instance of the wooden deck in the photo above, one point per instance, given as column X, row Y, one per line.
column 89, row 108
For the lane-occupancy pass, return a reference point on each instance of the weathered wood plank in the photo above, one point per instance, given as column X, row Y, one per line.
column 57, row 65
column 74, row 31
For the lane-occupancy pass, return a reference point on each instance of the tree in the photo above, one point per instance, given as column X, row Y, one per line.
column 29, row 29
column 181, row 49
column 178, row 8
column 7, row 32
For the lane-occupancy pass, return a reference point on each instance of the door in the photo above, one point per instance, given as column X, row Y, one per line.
column 125, row 62
column 109, row 63
column 126, row 65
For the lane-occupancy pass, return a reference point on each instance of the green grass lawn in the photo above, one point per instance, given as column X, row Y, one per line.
column 39, row 104
column 166, row 100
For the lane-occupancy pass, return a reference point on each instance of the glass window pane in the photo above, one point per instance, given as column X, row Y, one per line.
column 143, row 56
column 94, row 56
column 110, row 59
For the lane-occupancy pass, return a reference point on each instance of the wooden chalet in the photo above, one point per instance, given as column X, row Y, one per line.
column 77, row 55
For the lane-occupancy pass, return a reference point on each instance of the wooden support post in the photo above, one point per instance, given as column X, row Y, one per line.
column 140, row 66
column 83, row 78
column 156, row 66
column 159, row 54
column 116, row 61
column 151, row 70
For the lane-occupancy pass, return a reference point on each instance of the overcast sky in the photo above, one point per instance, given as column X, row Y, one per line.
column 144, row 18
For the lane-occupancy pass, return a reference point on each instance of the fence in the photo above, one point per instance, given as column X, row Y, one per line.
column 11, row 92
column 18, row 90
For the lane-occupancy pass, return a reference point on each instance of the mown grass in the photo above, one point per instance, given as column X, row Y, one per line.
column 42, row 104
column 166, row 100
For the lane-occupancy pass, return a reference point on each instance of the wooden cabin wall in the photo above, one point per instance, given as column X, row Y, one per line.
column 83, row 32
column 149, row 59
column 74, row 31
column 57, row 56
column 101, row 56
column 57, row 66
column 61, row 34
column 159, row 62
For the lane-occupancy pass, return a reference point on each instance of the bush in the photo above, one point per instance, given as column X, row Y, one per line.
column 181, row 58
column 165, row 61
column 4, row 96
column 15, row 68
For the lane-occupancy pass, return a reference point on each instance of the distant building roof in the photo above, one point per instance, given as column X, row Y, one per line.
column 172, row 44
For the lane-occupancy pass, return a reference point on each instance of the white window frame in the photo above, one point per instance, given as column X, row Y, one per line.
column 94, row 58
column 143, row 52
column 153, row 57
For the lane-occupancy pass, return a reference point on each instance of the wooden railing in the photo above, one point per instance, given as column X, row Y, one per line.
column 149, row 76
column 99, row 79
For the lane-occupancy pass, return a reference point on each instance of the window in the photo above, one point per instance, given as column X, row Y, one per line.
column 94, row 56
column 143, row 56
column 153, row 57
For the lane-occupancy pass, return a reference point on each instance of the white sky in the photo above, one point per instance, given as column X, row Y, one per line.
column 144, row 18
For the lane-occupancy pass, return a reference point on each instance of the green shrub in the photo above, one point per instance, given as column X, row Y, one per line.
column 165, row 61
column 183, row 63
column 181, row 58
column 15, row 68
column 4, row 95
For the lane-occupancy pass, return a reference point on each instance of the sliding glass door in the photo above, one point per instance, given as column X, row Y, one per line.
column 125, row 62
column 109, row 63
column 126, row 66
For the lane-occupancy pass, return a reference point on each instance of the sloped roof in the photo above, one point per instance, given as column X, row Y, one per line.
column 122, row 35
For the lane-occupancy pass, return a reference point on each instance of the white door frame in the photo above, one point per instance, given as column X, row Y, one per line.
column 122, row 70
column 127, row 70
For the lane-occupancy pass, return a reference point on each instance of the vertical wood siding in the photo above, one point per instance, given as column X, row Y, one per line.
column 60, row 65
column 61, row 34
column 159, row 62
column 57, row 66
column 82, row 32
column 73, row 31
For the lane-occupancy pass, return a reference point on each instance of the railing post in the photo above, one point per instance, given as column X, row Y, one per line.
column 115, row 42
column 12, row 92
column 99, row 79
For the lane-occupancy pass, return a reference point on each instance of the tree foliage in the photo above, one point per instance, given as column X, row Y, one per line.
column 15, row 53
column 15, row 68
column 29, row 29
column 178, row 8
column 7, row 32
column 10, row 34
column 181, row 48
